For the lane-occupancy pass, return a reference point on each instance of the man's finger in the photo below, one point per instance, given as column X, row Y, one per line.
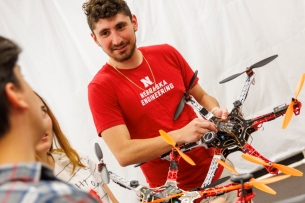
column 225, row 114
column 208, row 125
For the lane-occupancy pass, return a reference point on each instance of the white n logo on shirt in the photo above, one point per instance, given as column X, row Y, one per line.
column 146, row 81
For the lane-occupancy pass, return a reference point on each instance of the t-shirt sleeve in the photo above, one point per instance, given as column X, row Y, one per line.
column 104, row 107
column 186, row 71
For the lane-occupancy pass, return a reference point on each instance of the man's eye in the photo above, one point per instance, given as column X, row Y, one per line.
column 104, row 33
column 44, row 112
column 120, row 27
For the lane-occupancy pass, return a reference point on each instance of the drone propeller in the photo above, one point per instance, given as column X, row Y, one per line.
column 261, row 187
column 104, row 172
column 249, row 184
column 256, row 65
column 269, row 180
column 182, row 101
column 289, row 111
column 285, row 169
column 172, row 142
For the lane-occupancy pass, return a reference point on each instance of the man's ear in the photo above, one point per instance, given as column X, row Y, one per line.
column 95, row 40
column 134, row 21
column 15, row 96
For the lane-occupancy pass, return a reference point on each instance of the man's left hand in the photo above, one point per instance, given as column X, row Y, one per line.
column 223, row 113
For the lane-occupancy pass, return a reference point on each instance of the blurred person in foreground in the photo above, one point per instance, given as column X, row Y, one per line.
column 21, row 128
column 69, row 165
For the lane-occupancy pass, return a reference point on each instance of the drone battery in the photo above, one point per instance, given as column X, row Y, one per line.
column 280, row 109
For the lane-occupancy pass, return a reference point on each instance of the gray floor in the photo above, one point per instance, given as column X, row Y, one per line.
column 290, row 187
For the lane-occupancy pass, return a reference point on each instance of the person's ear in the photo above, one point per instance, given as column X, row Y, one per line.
column 134, row 21
column 15, row 96
column 95, row 40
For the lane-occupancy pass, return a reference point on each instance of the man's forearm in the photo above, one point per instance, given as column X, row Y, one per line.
column 203, row 98
column 133, row 151
column 208, row 102
column 136, row 151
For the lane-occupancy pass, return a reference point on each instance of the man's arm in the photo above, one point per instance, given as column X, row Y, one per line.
column 129, row 151
column 208, row 101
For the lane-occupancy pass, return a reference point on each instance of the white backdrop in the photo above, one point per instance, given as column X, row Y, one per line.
column 217, row 37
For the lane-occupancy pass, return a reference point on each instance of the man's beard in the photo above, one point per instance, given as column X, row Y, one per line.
column 126, row 57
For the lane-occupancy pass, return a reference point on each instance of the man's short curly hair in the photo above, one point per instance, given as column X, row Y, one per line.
column 100, row 9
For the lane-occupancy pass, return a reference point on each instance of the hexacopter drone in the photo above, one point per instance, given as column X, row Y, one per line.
column 234, row 132
column 169, row 192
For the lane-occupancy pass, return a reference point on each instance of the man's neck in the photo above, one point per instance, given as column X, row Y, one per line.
column 131, row 63
column 17, row 145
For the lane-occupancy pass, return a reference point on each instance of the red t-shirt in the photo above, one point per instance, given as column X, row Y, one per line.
column 115, row 100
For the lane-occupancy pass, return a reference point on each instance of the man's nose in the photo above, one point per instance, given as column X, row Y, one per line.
column 116, row 39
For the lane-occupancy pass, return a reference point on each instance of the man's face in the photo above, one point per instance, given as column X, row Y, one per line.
column 34, row 113
column 116, row 36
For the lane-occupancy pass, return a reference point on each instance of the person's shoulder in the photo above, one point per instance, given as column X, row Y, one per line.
column 48, row 190
column 63, row 192
column 58, row 155
column 157, row 48
column 103, row 76
column 83, row 156
column 160, row 51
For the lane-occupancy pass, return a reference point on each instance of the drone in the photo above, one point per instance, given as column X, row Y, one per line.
column 234, row 132
column 169, row 192
column 241, row 182
column 147, row 194
column 160, row 194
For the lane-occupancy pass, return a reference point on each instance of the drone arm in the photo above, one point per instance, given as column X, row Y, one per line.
column 265, row 118
column 212, row 170
column 277, row 112
column 190, row 197
column 173, row 168
column 251, row 151
column 200, row 110
column 244, row 92
column 246, row 199
column 219, row 190
column 140, row 190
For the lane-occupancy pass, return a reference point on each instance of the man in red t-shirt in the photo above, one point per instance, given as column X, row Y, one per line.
column 136, row 94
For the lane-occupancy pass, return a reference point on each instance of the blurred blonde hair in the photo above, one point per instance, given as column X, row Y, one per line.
column 60, row 138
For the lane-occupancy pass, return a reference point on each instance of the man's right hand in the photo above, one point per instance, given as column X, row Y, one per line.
column 193, row 131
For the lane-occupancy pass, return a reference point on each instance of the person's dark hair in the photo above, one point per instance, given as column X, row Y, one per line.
column 100, row 9
column 9, row 52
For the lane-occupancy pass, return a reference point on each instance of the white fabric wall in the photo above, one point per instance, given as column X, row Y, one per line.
column 217, row 37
